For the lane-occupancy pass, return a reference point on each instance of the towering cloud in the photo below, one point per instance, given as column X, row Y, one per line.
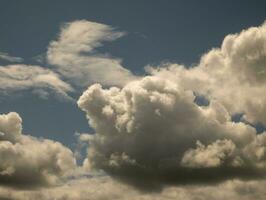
column 74, row 55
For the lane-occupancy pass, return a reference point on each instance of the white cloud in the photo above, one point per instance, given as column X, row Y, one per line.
column 74, row 55
column 7, row 57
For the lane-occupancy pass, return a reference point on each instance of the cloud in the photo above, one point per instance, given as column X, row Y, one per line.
column 74, row 55
column 29, row 162
column 7, row 57
column 39, row 80
column 153, row 129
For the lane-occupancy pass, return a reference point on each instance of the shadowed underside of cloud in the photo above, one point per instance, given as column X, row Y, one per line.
column 152, row 130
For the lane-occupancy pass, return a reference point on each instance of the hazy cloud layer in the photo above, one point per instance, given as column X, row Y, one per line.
column 29, row 162
column 75, row 57
column 98, row 188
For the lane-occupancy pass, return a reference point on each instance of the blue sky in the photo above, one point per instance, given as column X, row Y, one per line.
column 157, row 31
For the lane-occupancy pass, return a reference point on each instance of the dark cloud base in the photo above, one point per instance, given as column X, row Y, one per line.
column 155, row 179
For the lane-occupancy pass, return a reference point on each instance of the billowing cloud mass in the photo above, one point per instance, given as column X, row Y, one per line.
column 153, row 129
column 29, row 162
column 37, row 79
column 74, row 55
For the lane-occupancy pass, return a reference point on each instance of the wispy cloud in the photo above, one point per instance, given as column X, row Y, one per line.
column 39, row 80
column 74, row 55
column 9, row 58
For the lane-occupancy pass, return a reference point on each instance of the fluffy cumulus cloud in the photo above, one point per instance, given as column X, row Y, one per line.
column 153, row 129
column 37, row 79
column 30, row 162
column 74, row 55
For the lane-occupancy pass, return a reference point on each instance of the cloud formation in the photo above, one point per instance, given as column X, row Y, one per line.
column 153, row 129
column 74, row 55
column 30, row 162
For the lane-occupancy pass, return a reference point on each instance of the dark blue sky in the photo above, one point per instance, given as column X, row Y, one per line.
column 158, row 30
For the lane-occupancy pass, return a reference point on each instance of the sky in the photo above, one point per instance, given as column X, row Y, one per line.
column 111, row 93
column 158, row 31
